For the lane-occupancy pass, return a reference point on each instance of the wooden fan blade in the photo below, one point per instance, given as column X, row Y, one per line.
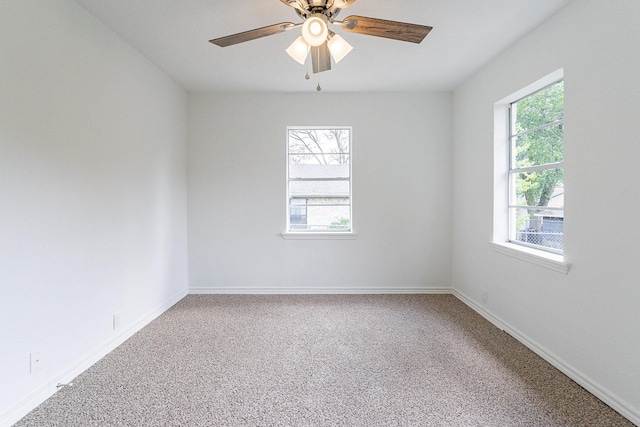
column 413, row 33
column 252, row 34
column 321, row 58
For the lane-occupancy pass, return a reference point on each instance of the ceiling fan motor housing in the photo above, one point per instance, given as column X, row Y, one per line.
column 324, row 7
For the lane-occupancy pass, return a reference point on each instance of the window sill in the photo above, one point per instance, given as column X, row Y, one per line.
column 544, row 259
column 318, row 236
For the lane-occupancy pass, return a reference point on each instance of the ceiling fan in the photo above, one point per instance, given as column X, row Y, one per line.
column 319, row 40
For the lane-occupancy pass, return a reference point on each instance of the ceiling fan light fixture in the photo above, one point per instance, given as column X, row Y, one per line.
column 338, row 47
column 298, row 50
column 317, row 41
column 315, row 30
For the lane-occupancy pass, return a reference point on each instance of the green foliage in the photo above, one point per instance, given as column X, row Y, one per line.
column 341, row 224
column 539, row 126
column 521, row 221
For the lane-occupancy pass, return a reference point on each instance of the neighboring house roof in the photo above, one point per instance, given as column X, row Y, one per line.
column 318, row 171
column 329, row 188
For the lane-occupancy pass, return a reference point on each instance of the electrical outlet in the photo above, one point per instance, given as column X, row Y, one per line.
column 35, row 363
column 485, row 296
column 116, row 321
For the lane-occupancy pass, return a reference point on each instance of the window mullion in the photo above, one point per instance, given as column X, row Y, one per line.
column 319, row 179
column 536, row 168
column 537, row 208
column 537, row 128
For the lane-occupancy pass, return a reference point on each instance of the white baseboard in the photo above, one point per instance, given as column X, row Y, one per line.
column 584, row 381
column 67, row 375
column 317, row 291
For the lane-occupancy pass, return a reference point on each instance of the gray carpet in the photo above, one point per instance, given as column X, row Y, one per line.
column 322, row 360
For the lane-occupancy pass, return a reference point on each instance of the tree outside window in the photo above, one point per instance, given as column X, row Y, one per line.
column 537, row 170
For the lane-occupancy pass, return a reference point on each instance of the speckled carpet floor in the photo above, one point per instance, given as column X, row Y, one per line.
column 322, row 360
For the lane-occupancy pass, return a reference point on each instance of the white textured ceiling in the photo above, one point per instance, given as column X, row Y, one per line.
column 175, row 34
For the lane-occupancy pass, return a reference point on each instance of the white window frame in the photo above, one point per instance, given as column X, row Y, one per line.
column 501, row 200
column 321, row 234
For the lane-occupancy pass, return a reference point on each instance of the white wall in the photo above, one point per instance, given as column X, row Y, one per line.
column 401, row 194
column 92, row 194
column 588, row 320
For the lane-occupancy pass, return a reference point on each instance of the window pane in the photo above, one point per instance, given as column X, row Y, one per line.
column 541, row 108
column 539, row 147
column 539, row 188
column 540, row 227
column 319, row 144
column 326, row 218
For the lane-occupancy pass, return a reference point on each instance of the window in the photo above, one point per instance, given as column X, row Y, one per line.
column 319, row 180
column 536, row 173
column 528, row 202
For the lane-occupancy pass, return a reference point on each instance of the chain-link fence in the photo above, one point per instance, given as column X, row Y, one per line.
column 541, row 238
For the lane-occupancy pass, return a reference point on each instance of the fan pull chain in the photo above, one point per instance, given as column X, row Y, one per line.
column 318, row 88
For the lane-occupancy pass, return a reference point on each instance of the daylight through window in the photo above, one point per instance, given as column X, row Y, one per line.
column 536, row 169
column 319, row 179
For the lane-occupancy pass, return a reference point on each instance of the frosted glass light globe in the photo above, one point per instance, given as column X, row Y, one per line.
column 315, row 30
